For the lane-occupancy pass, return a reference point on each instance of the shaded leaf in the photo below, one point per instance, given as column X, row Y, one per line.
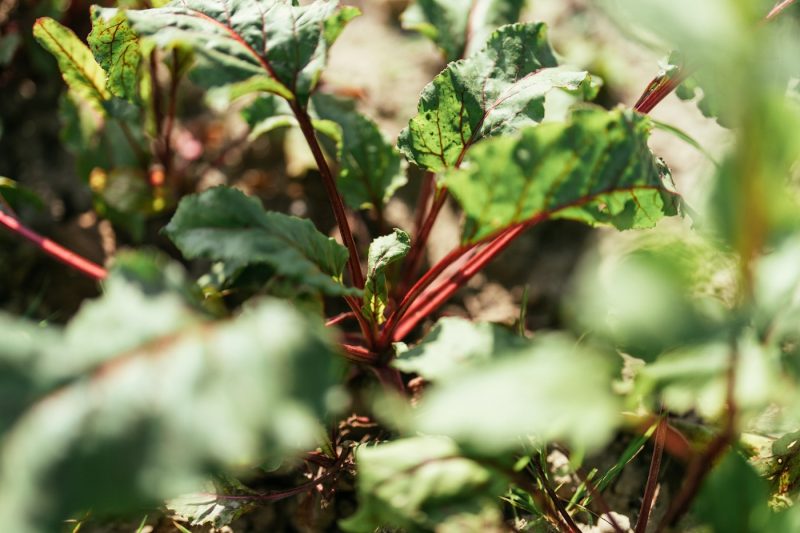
column 596, row 169
column 116, row 49
column 456, row 344
column 17, row 195
column 494, row 92
column 223, row 224
column 85, row 78
column 370, row 167
column 23, row 345
column 267, row 113
column 235, row 41
column 154, row 422
column 459, row 27
column 418, row 484
column 533, row 393
column 734, row 499
column 382, row 252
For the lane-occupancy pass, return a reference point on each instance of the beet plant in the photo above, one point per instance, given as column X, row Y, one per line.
column 289, row 367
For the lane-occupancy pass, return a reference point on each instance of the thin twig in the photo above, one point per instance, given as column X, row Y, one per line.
column 69, row 258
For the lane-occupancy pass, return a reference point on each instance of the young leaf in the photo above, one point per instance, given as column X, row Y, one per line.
column 116, row 49
column 596, row 168
column 223, row 224
column 284, row 44
column 455, row 344
column 85, row 78
column 156, row 421
column 459, row 27
column 420, row 483
column 382, row 252
column 553, row 390
column 370, row 167
column 494, row 92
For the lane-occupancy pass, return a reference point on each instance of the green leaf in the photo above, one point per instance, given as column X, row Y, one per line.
column 382, row 252
column 418, row 484
column 494, row 92
column 85, row 78
column 456, row 344
column 23, row 345
column 596, row 169
column 157, row 420
column 116, row 49
column 17, row 196
column 370, row 167
column 211, row 507
column 223, row 224
column 553, row 390
column 459, row 27
column 670, row 291
column 267, row 113
column 734, row 499
column 235, row 41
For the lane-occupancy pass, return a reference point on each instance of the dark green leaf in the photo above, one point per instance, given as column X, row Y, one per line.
column 235, row 41
column 459, row 27
column 456, row 344
column 370, row 167
column 494, row 92
column 419, row 484
column 382, row 252
column 85, row 78
column 23, row 346
column 18, row 196
column 596, row 169
column 734, row 499
column 116, row 49
column 154, row 422
column 533, row 393
column 223, row 224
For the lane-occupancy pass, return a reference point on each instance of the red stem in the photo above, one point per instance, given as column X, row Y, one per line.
column 432, row 298
column 339, row 318
column 418, row 246
column 334, row 197
column 778, row 8
column 429, row 277
column 169, row 121
column 57, row 251
column 652, row 477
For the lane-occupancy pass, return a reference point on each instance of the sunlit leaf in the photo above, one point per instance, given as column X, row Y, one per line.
column 116, row 49
column 596, row 169
column 460, row 27
column 234, row 42
column 85, row 78
column 494, row 92
column 533, row 393
column 159, row 418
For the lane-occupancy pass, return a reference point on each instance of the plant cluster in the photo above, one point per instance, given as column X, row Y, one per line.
column 295, row 355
